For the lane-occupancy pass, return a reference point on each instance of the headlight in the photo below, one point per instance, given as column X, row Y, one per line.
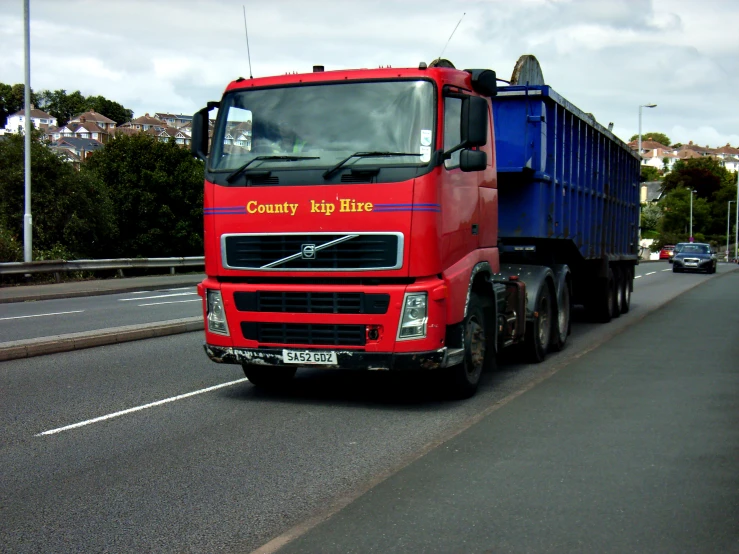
column 216, row 314
column 414, row 317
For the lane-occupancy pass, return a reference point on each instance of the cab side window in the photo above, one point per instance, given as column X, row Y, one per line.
column 452, row 125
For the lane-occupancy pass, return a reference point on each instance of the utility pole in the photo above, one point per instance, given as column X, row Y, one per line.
column 27, row 225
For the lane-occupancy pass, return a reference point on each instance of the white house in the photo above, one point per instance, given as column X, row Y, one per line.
column 39, row 118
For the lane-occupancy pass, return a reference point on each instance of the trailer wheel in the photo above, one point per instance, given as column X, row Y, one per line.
column 626, row 295
column 601, row 301
column 464, row 378
column 268, row 377
column 538, row 334
column 618, row 297
column 559, row 338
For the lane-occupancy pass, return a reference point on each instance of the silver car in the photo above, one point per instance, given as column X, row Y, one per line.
column 694, row 256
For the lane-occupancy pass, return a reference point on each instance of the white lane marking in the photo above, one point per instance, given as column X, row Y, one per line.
column 666, row 270
column 638, row 276
column 42, row 315
column 139, row 408
column 157, row 296
column 171, row 302
column 161, row 290
column 651, row 273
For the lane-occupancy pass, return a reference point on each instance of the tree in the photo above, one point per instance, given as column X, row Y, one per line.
column 676, row 214
column 61, row 105
column 72, row 212
column 657, row 137
column 65, row 106
column 157, row 191
column 650, row 173
column 108, row 108
column 12, row 100
column 651, row 214
column 704, row 175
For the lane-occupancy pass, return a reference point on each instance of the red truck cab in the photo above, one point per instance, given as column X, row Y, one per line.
column 349, row 217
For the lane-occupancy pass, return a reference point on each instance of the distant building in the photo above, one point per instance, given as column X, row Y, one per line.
column 39, row 119
column 651, row 191
column 174, row 120
column 75, row 149
column 144, row 123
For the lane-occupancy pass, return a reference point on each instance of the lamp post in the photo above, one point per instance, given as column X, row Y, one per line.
column 691, row 214
column 27, row 221
column 728, row 230
column 736, row 222
column 640, row 160
column 640, row 107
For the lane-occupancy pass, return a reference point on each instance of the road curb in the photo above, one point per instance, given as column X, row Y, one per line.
column 29, row 348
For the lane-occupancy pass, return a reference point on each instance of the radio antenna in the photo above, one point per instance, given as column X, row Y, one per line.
column 248, row 54
column 450, row 36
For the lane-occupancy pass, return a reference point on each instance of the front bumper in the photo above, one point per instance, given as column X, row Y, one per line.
column 347, row 359
column 695, row 264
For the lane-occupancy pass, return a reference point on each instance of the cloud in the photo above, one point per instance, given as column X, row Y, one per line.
column 607, row 57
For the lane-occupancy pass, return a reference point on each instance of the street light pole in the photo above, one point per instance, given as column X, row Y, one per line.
column 691, row 215
column 736, row 223
column 640, row 160
column 728, row 228
column 27, row 225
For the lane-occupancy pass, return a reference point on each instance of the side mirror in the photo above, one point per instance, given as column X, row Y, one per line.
column 473, row 160
column 474, row 131
column 200, row 127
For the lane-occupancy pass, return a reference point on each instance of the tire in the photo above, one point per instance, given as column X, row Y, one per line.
column 626, row 296
column 618, row 291
column 269, row 377
column 601, row 299
column 675, row 269
column 539, row 333
column 463, row 379
column 562, row 331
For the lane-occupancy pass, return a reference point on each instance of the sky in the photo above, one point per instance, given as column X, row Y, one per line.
column 607, row 57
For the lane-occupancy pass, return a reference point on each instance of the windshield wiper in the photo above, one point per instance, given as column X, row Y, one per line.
column 232, row 177
column 338, row 166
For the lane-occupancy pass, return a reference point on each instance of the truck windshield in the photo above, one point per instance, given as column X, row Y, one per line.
column 318, row 126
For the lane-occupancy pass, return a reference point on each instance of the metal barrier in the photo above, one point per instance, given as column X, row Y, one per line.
column 59, row 266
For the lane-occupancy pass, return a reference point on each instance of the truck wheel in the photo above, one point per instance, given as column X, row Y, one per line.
column 538, row 333
column 559, row 337
column 465, row 377
column 269, row 377
column 626, row 295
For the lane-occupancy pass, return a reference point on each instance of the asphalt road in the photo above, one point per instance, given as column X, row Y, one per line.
column 44, row 318
column 228, row 469
column 28, row 320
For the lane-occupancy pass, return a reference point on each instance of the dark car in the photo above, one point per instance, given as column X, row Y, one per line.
column 694, row 256
column 666, row 252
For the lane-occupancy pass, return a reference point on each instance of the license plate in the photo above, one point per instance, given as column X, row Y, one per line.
column 309, row 357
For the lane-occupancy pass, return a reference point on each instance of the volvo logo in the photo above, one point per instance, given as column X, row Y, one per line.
column 308, row 251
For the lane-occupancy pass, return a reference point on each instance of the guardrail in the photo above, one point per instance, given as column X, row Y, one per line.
column 60, row 266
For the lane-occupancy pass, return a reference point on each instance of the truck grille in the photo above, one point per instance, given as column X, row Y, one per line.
column 312, row 302
column 313, row 252
column 311, row 333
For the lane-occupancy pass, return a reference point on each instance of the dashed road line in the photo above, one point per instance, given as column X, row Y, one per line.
column 41, row 315
column 170, row 302
column 139, row 298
